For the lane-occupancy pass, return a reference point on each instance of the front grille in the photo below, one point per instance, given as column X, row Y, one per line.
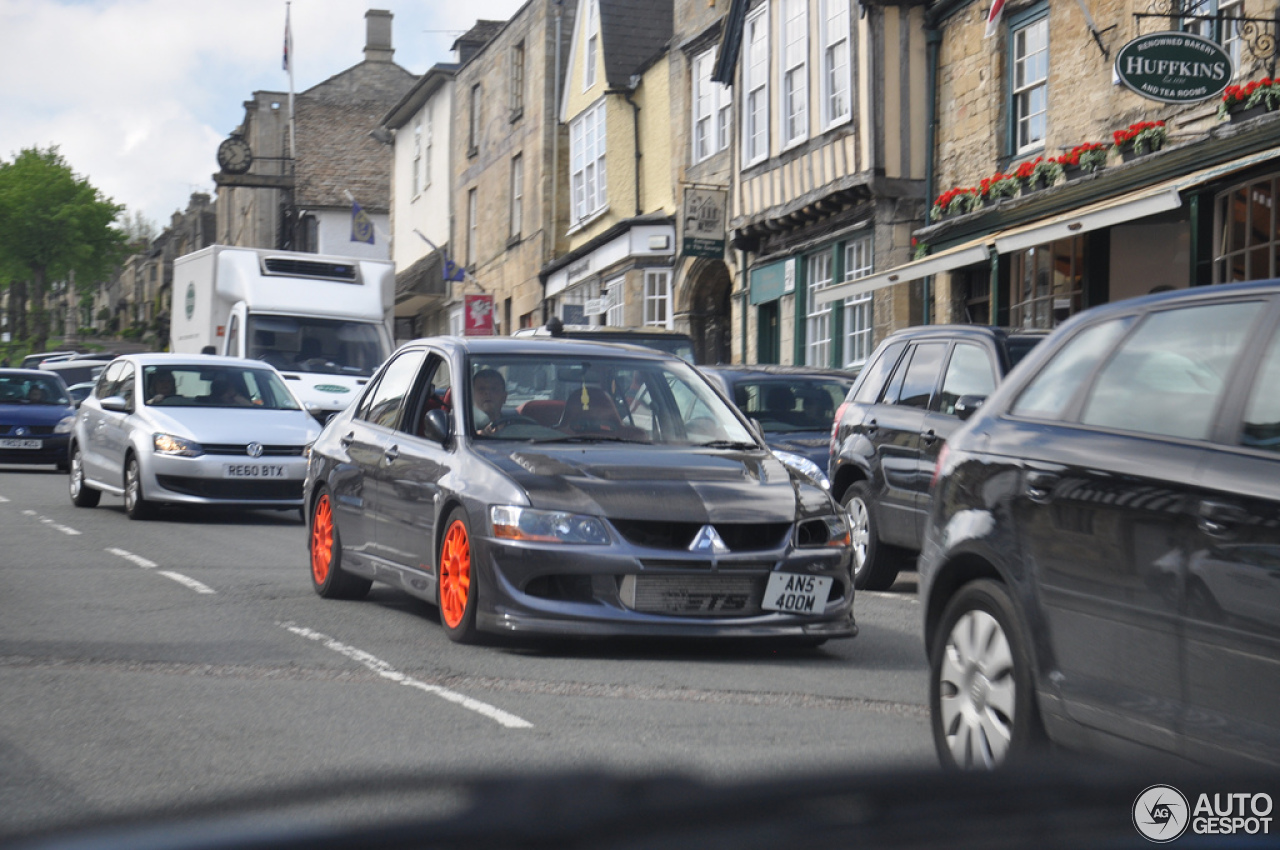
column 705, row 564
column 345, row 272
column 739, row 537
column 33, row 430
column 698, row 596
column 243, row 491
column 239, row 449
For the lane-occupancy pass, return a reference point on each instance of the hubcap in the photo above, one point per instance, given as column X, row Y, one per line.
column 131, row 485
column 859, row 532
column 76, row 473
column 455, row 574
column 977, row 691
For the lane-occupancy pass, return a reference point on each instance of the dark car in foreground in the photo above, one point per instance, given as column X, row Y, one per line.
column 36, row 417
column 1101, row 562
column 577, row 489
column 907, row 402
column 794, row 405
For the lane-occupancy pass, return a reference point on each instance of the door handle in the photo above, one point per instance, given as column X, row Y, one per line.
column 871, row 427
column 1217, row 518
column 929, row 437
column 1040, row 485
column 347, row 439
column 392, row 454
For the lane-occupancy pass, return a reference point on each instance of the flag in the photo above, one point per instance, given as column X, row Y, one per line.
column 288, row 38
column 361, row 225
column 993, row 17
column 453, row 271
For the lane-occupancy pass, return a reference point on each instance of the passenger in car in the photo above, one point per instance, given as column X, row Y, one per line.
column 488, row 395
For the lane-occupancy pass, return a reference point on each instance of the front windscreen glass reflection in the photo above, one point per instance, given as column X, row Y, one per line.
column 321, row 346
column 215, row 386
column 32, row 389
column 599, row 399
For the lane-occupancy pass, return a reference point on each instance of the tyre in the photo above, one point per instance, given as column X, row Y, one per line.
column 328, row 578
column 135, row 504
column 456, row 587
column 875, row 565
column 981, row 692
column 82, row 495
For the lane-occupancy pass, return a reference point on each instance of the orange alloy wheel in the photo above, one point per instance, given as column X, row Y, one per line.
column 455, row 574
column 321, row 540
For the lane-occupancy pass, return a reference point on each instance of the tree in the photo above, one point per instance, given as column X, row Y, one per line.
column 53, row 223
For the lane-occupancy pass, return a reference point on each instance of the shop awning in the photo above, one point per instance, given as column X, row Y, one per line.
column 1118, row 210
column 965, row 254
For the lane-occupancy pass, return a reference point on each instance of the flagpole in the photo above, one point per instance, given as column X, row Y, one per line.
column 288, row 64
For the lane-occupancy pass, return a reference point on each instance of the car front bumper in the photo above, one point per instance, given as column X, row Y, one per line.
column 267, row 482
column 609, row 591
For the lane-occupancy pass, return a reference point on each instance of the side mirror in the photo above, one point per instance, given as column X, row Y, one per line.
column 435, row 426
column 967, row 405
column 116, row 403
column 759, row 429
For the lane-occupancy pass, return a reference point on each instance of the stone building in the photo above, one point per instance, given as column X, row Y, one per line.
column 1198, row 210
column 313, row 157
column 829, row 170
column 508, row 151
column 621, row 238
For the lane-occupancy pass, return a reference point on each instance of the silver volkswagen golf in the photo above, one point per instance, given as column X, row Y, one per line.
column 190, row 429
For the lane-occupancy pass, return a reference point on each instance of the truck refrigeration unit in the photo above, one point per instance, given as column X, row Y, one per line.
column 325, row 322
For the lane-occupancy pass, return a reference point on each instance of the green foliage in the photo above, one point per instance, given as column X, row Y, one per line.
column 53, row 224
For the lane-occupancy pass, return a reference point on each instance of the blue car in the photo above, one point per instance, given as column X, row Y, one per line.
column 36, row 415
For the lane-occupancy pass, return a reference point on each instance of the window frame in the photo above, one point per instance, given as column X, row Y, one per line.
column 516, row 213
column 588, row 194
column 818, row 318
column 657, row 298
column 1019, row 24
column 517, row 80
column 829, row 10
column 755, row 78
column 859, row 336
column 718, row 102
column 590, row 53
column 473, row 124
column 793, row 68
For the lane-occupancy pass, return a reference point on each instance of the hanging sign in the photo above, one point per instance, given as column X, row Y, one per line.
column 704, row 223
column 1174, row 67
column 478, row 315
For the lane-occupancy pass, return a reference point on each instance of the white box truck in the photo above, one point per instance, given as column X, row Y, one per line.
column 325, row 322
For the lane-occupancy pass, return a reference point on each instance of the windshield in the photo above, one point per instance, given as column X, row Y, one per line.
column 23, row 389
column 320, row 346
column 215, row 386
column 584, row 399
column 790, row 403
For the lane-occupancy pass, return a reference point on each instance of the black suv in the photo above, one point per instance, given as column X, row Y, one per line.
column 918, row 384
column 1102, row 562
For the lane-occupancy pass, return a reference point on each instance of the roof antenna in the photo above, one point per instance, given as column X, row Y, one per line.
column 555, row 327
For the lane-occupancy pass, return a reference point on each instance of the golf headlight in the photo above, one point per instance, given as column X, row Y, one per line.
column 64, row 425
column 511, row 522
column 832, row 530
column 167, row 444
column 805, row 467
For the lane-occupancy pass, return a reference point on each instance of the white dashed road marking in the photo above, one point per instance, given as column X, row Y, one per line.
column 54, row 525
column 386, row 671
column 150, row 565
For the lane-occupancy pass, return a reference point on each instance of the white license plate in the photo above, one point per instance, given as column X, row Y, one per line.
column 796, row 593
column 252, row 470
column 20, row 444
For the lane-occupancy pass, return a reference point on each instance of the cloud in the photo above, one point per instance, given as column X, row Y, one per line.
column 137, row 94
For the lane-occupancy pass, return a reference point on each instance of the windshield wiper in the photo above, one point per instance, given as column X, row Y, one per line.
column 726, row 444
column 592, row 438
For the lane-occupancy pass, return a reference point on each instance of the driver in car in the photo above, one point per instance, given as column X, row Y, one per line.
column 488, row 395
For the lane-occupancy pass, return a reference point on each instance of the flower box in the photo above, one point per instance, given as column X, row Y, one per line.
column 1139, row 139
column 1263, row 93
column 1247, row 113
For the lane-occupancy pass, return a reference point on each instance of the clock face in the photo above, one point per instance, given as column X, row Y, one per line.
column 234, row 155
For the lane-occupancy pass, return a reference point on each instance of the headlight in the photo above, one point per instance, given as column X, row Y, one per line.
column 167, row 444
column 65, row 425
column 515, row 523
column 830, row 530
column 805, row 467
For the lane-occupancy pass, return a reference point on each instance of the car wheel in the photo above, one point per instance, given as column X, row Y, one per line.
column 135, row 504
column 82, row 495
column 875, row 566
column 328, row 578
column 981, row 694
column 456, row 588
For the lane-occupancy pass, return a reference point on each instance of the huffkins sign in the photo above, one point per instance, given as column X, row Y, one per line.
column 1174, row 67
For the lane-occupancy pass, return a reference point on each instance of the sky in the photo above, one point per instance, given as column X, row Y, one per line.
column 137, row 94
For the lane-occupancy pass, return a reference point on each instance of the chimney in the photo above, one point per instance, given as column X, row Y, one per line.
column 377, row 46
